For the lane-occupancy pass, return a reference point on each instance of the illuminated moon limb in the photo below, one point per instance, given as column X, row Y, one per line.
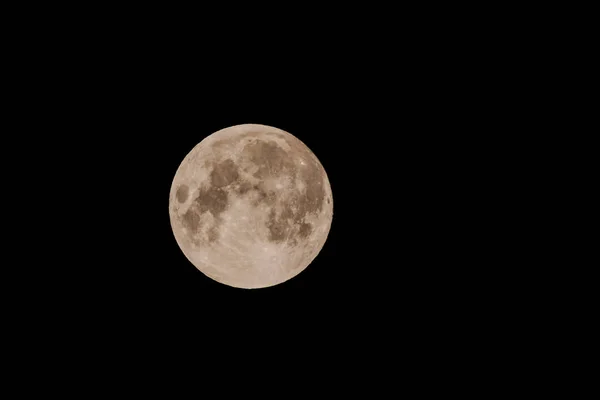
column 251, row 206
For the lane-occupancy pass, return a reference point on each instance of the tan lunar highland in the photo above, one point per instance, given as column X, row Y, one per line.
column 251, row 206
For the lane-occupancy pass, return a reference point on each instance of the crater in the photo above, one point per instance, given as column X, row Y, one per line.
column 182, row 193
column 264, row 196
column 224, row 173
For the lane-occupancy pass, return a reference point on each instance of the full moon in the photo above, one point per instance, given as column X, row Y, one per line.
column 251, row 206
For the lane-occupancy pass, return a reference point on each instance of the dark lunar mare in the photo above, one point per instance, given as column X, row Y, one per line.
column 224, row 173
column 272, row 160
column 182, row 193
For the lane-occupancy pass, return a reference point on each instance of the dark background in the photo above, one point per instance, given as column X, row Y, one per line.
column 399, row 147
column 436, row 127
column 404, row 134
column 409, row 122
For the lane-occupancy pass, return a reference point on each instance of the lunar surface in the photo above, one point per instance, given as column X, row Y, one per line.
column 251, row 206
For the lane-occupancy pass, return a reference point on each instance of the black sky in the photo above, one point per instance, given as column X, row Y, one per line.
column 404, row 128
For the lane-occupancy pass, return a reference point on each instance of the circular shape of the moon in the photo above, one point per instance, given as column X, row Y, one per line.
column 251, row 206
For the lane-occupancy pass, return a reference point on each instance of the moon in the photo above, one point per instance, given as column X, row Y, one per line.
column 251, row 206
